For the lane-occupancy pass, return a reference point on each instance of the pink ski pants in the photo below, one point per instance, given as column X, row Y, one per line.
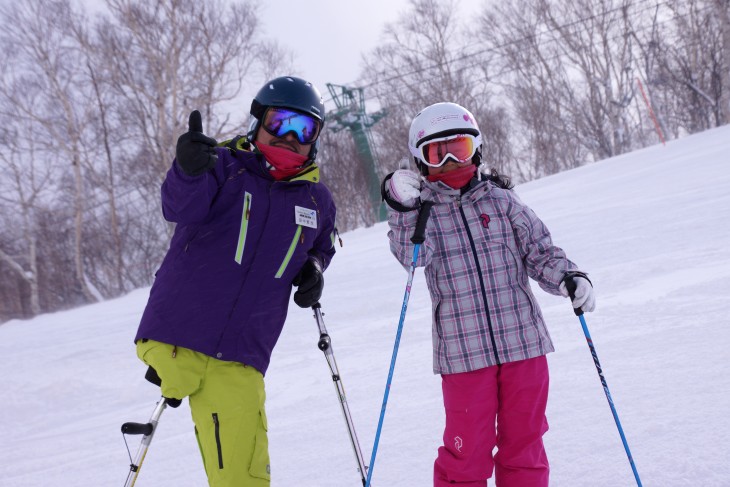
column 502, row 406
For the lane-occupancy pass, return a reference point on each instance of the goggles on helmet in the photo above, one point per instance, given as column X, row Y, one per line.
column 280, row 121
column 436, row 152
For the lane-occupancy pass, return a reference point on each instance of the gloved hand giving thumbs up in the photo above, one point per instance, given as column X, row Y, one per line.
column 195, row 151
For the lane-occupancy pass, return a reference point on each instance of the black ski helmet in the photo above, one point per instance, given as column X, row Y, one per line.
column 288, row 92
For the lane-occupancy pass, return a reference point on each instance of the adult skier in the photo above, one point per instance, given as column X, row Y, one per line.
column 253, row 220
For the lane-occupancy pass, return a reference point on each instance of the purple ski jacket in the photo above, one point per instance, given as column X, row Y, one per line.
column 223, row 288
column 480, row 249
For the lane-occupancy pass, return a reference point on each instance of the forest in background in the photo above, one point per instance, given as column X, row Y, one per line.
column 91, row 106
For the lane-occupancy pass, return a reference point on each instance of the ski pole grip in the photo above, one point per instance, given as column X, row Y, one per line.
column 571, row 286
column 137, row 428
column 419, row 234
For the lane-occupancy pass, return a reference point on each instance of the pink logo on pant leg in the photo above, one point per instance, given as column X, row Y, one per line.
column 458, row 443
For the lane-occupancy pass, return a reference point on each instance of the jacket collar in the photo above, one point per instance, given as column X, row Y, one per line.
column 439, row 192
column 240, row 144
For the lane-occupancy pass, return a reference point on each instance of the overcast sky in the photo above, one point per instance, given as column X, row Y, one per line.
column 329, row 37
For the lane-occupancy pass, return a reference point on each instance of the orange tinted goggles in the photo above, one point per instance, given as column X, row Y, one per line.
column 460, row 147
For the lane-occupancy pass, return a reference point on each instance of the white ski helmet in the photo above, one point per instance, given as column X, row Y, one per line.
column 441, row 120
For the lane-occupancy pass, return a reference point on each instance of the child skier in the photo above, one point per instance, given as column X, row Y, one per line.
column 489, row 337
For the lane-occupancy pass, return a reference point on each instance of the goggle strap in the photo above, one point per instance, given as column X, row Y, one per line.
column 446, row 134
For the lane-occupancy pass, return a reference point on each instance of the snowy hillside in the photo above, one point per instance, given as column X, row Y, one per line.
column 650, row 227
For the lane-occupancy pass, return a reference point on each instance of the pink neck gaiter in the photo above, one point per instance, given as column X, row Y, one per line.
column 457, row 179
column 286, row 163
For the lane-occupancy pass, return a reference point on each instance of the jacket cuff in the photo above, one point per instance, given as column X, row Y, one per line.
column 572, row 274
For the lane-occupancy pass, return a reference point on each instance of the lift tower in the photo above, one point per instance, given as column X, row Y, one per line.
column 350, row 114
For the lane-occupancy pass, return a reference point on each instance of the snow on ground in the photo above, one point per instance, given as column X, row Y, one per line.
column 651, row 227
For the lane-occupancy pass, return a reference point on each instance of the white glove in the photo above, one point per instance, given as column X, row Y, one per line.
column 584, row 297
column 404, row 187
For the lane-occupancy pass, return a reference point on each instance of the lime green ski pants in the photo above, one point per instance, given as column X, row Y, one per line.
column 227, row 404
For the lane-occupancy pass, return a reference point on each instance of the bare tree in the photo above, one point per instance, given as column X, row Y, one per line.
column 166, row 57
column 345, row 177
column 594, row 37
column 722, row 8
column 422, row 62
column 20, row 193
column 526, row 65
column 38, row 31
column 107, row 100
column 649, row 36
column 694, row 57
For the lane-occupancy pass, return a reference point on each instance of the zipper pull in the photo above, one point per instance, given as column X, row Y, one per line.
column 174, row 351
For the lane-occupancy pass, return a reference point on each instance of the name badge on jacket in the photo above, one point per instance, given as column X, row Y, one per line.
column 305, row 217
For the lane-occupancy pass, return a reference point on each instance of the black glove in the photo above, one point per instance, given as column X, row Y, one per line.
column 195, row 151
column 310, row 282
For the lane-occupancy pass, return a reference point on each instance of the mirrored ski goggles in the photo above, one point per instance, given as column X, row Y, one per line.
column 280, row 121
column 436, row 152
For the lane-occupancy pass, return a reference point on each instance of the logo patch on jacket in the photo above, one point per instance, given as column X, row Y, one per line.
column 485, row 220
column 305, row 217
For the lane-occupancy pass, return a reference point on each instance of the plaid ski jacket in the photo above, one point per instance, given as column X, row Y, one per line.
column 480, row 249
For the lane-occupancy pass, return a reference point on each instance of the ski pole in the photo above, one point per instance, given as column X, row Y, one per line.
column 325, row 345
column 417, row 239
column 148, row 430
column 571, row 287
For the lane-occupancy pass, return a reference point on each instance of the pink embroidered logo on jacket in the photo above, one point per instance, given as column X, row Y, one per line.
column 485, row 220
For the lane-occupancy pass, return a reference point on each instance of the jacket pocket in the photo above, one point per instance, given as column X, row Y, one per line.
column 437, row 318
column 260, row 464
column 217, row 431
column 290, row 252
column 245, row 217
column 192, row 232
column 155, row 354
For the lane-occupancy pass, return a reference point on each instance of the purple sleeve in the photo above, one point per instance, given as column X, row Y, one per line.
column 187, row 199
column 324, row 245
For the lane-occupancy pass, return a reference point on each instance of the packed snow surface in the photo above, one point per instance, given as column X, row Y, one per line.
column 652, row 229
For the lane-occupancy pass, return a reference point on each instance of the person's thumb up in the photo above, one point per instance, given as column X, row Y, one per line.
column 195, row 151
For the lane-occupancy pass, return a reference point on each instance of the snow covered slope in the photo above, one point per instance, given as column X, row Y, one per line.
column 651, row 228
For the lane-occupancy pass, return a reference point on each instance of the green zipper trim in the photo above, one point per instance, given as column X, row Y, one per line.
column 293, row 246
column 244, row 226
